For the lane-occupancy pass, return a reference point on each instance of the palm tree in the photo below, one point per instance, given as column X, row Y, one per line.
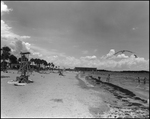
column 38, row 62
column 42, row 62
column 48, row 65
column 45, row 63
column 32, row 60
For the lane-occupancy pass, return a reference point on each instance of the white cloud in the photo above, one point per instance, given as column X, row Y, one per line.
column 110, row 54
column 6, row 31
column 4, row 8
column 18, row 46
column 124, row 62
column 7, row 34
column 37, row 54
column 122, row 56
column 89, row 57
column 11, row 39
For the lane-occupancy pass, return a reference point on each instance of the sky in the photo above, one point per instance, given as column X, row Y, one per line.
column 79, row 33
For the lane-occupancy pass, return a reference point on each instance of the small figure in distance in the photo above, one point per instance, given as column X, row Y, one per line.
column 138, row 80
column 144, row 81
column 99, row 78
column 108, row 78
column 60, row 73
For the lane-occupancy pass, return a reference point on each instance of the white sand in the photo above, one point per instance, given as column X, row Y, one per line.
column 38, row 99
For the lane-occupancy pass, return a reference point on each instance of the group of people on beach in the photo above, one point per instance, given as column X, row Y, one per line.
column 139, row 80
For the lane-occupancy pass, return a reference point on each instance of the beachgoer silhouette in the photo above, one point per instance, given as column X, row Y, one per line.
column 99, row 78
column 144, row 81
column 108, row 78
column 60, row 73
column 138, row 80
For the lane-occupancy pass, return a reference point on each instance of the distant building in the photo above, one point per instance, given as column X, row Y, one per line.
column 85, row 69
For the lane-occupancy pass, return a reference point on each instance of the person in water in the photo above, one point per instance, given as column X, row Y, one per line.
column 144, row 81
column 108, row 78
column 138, row 80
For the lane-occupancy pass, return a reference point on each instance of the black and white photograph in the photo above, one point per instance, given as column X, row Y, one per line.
column 74, row 59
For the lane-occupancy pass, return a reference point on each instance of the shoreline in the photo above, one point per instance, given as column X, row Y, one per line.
column 120, row 105
column 98, row 110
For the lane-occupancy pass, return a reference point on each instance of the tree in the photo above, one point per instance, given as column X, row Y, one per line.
column 13, row 59
column 37, row 62
column 49, row 64
column 32, row 60
column 44, row 62
column 5, row 55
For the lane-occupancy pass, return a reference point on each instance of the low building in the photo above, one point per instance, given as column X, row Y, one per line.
column 85, row 69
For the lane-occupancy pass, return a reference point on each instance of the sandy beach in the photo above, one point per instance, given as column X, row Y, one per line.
column 51, row 95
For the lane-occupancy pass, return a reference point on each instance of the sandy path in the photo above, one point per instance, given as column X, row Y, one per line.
column 48, row 96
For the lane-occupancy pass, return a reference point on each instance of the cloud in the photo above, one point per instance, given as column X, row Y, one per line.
column 122, row 56
column 18, row 46
column 111, row 55
column 123, row 62
column 111, row 52
column 63, row 60
column 37, row 54
column 4, row 8
column 89, row 57
column 11, row 39
column 7, row 33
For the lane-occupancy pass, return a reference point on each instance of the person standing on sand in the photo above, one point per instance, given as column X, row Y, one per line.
column 144, row 81
column 99, row 78
column 108, row 78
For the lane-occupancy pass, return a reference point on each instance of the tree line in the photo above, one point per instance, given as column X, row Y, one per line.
column 35, row 63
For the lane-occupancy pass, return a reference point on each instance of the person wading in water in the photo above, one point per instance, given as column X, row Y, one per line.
column 108, row 78
column 144, row 81
column 138, row 80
